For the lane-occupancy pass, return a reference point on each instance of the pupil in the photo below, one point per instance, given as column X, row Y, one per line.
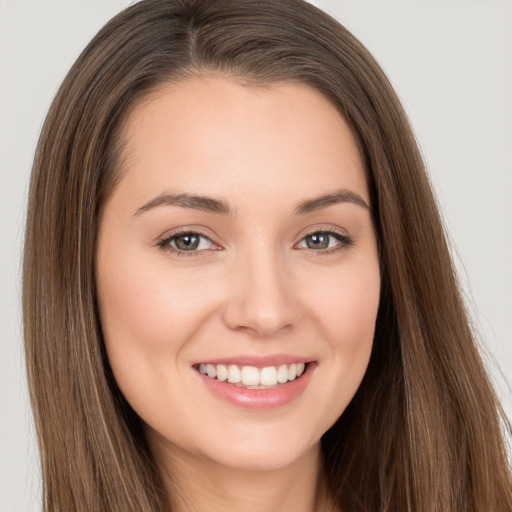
column 317, row 241
column 187, row 242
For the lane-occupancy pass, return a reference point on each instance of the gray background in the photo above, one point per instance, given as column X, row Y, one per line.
column 451, row 63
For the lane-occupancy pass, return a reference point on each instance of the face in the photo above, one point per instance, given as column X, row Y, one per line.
column 238, row 244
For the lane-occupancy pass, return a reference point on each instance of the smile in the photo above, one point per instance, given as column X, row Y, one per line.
column 256, row 383
column 251, row 377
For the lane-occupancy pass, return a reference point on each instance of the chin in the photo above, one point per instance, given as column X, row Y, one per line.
column 263, row 450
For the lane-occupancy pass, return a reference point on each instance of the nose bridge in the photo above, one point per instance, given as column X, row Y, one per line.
column 260, row 298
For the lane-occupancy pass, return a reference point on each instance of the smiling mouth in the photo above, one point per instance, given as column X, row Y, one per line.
column 252, row 377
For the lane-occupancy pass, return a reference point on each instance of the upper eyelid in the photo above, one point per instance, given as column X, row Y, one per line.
column 324, row 230
column 169, row 235
column 342, row 238
column 166, row 239
column 164, row 243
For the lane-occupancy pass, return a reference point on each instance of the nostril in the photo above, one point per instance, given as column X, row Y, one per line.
column 260, row 306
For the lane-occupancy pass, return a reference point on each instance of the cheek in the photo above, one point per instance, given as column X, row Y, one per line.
column 346, row 310
column 346, row 304
column 141, row 305
column 147, row 319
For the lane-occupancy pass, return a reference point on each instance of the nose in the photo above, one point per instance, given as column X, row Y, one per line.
column 260, row 300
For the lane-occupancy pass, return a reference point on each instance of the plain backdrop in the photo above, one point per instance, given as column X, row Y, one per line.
column 451, row 64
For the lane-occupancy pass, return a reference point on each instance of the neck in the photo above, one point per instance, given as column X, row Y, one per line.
column 199, row 485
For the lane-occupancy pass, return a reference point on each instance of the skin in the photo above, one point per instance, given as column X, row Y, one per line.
column 253, row 286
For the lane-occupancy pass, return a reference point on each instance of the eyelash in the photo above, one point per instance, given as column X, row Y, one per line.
column 345, row 242
column 165, row 243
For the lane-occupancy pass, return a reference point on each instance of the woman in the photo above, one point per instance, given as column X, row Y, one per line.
column 237, row 291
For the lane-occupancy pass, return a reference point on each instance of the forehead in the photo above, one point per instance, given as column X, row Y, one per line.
column 214, row 135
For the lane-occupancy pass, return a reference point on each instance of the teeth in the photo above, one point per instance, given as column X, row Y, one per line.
column 251, row 376
column 268, row 376
column 234, row 374
column 211, row 371
column 222, row 372
column 282, row 374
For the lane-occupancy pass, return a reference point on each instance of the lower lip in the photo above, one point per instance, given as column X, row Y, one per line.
column 260, row 398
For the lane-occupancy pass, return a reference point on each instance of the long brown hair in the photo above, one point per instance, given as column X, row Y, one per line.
column 424, row 430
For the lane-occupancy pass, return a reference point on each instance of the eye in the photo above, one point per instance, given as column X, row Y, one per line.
column 325, row 241
column 188, row 241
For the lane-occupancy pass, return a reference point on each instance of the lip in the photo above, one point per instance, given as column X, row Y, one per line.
column 259, row 361
column 260, row 399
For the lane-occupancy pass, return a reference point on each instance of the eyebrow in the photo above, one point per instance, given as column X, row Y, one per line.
column 340, row 196
column 222, row 207
column 196, row 202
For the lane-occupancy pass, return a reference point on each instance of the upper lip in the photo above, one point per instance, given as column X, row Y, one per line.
column 260, row 361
